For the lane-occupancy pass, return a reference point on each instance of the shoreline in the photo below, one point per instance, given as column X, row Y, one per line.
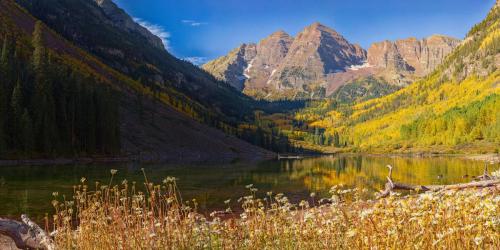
column 491, row 157
column 488, row 157
column 62, row 161
column 133, row 159
column 494, row 158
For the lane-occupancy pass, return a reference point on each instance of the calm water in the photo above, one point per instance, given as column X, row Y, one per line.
column 28, row 189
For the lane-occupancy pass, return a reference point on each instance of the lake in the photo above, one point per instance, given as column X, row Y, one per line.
column 28, row 189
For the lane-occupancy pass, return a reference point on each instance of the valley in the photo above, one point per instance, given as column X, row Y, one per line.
column 144, row 125
column 312, row 93
column 406, row 96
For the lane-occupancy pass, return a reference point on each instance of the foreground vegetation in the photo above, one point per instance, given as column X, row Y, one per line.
column 120, row 216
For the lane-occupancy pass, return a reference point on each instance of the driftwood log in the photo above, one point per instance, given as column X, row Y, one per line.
column 25, row 235
column 482, row 181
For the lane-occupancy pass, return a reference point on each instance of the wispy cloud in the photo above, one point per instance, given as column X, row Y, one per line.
column 193, row 23
column 196, row 60
column 157, row 30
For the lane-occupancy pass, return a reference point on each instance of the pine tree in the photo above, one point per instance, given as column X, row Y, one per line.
column 27, row 132
column 17, row 99
column 43, row 103
column 48, row 108
column 3, row 117
column 4, row 93
column 91, row 122
column 16, row 105
column 6, row 64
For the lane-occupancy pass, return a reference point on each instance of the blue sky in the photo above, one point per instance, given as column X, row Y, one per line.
column 206, row 29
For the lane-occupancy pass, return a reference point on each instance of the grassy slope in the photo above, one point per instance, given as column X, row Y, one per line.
column 173, row 136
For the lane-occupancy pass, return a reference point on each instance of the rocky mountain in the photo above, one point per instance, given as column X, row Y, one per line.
column 404, row 60
column 269, row 55
column 231, row 68
column 319, row 60
column 121, row 20
column 315, row 53
column 250, row 65
column 280, row 65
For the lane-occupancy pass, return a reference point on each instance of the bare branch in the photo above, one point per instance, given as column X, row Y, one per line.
column 26, row 234
column 485, row 181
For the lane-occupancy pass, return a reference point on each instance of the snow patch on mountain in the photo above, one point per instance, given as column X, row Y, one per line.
column 359, row 66
column 247, row 70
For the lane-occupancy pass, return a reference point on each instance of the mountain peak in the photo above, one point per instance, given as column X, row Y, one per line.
column 284, row 65
column 317, row 26
column 280, row 34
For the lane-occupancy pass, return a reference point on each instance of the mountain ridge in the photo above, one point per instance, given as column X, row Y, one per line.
column 319, row 60
column 122, row 20
column 410, row 58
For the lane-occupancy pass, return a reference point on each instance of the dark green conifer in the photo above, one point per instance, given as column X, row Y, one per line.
column 44, row 108
column 27, row 132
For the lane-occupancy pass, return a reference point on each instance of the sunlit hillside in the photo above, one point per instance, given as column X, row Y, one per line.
column 455, row 108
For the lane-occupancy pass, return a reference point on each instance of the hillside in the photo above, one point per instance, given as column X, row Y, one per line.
column 454, row 109
column 103, row 29
column 150, row 126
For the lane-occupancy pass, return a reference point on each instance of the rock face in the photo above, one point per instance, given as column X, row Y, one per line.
column 319, row 60
column 316, row 52
column 410, row 57
column 250, row 65
column 122, row 20
column 231, row 67
column 270, row 54
column 281, row 66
